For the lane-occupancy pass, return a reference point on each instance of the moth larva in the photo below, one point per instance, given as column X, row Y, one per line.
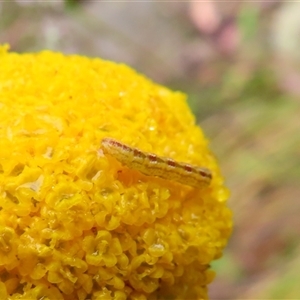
column 154, row 165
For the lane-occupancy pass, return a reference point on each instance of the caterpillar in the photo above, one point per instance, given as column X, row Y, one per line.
column 153, row 165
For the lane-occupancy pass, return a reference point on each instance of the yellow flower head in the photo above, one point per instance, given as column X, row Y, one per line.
column 74, row 222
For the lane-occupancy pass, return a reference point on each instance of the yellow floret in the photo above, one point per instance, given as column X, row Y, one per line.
column 75, row 223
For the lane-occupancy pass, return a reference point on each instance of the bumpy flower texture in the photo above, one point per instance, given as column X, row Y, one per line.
column 74, row 222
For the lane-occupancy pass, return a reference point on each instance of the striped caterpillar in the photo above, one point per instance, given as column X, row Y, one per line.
column 153, row 165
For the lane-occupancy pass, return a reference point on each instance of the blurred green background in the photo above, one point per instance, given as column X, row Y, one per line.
column 239, row 63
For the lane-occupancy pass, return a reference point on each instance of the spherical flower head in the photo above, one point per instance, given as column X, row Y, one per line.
column 76, row 223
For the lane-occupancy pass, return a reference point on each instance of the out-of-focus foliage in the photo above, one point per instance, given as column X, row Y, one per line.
column 240, row 64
